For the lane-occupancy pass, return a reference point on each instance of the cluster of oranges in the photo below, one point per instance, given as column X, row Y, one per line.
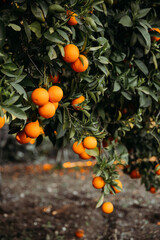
column 47, row 101
column 89, row 142
column 79, row 63
column 99, row 183
column 30, row 132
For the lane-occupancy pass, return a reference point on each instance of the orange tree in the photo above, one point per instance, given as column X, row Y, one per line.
column 88, row 71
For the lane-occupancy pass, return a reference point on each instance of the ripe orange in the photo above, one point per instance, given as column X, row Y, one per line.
column 22, row 138
column 2, row 121
column 47, row 111
column 32, row 129
column 41, row 130
column 107, row 207
column 55, row 94
column 135, row 174
column 55, row 104
column 155, row 38
column 80, row 66
column 47, row 167
column 78, row 101
column 40, row 96
column 32, row 141
column 84, row 156
column 71, row 53
column 152, row 190
column 71, row 16
column 78, row 148
column 158, row 171
column 79, row 233
column 90, row 142
column 119, row 184
column 55, row 79
column 98, row 182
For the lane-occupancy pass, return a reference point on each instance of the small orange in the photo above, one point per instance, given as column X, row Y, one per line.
column 84, row 156
column 71, row 16
column 80, row 66
column 119, row 184
column 55, row 94
column 47, row 111
column 78, row 148
column 77, row 101
column 55, row 79
column 98, row 182
column 107, row 207
column 40, row 96
column 22, row 138
column 47, row 167
column 90, row 142
column 79, row 233
column 152, row 190
column 157, row 171
column 71, row 53
column 32, row 141
column 55, row 104
column 135, row 174
column 155, row 38
column 32, row 129
column 2, row 121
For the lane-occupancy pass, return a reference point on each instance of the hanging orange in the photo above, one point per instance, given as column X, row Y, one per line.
column 81, row 64
column 72, row 18
column 71, row 53
column 55, row 94
column 47, row 111
column 40, row 96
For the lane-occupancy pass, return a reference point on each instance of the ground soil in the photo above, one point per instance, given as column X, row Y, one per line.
column 53, row 205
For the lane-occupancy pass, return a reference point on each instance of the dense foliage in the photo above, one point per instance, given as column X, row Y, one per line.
column 121, row 85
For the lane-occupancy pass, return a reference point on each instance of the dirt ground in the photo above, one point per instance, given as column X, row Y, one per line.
column 53, row 205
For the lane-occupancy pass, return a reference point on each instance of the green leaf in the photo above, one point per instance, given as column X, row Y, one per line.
column 56, row 8
column 15, row 27
column 27, row 29
column 93, row 152
column 10, row 66
column 54, row 37
column 148, row 91
column 52, row 53
column 144, row 100
column 17, row 112
column 19, row 89
column 127, row 95
column 61, row 48
column 146, row 36
column 11, row 100
column 116, row 87
column 143, row 12
column 7, row 73
column 63, row 35
column 91, row 22
column 36, row 28
column 37, row 12
column 100, row 201
column 126, row 21
column 141, row 66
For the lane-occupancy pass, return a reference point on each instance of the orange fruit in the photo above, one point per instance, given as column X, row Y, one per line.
column 155, row 38
column 47, row 111
column 22, row 138
column 55, row 104
column 119, row 184
column 55, row 94
column 135, row 174
column 98, row 182
column 78, row 101
column 79, row 233
column 2, row 121
column 32, row 129
column 55, row 79
column 107, row 207
column 41, row 130
column 80, row 66
column 71, row 53
column 32, row 141
column 90, row 142
column 152, row 190
column 78, row 148
column 47, row 167
column 40, row 96
column 84, row 156
column 158, row 171
column 71, row 16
